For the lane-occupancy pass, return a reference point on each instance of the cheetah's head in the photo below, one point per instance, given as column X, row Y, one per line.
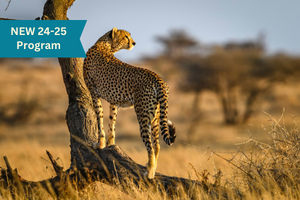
column 120, row 39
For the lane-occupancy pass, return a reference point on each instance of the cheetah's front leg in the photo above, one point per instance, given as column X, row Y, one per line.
column 101, row 134
column 113, row 110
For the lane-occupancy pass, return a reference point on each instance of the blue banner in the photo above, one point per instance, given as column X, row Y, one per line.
column 41, row 38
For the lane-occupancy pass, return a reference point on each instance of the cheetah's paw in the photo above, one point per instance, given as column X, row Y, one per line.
column 98, row 146
column 150, row 175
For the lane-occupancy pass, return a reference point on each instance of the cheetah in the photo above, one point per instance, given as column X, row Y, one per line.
column 123, row 85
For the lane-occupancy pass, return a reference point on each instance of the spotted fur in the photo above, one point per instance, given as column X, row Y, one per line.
column 124, row 85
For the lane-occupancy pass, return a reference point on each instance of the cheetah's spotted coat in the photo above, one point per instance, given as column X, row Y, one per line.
column 123, row 85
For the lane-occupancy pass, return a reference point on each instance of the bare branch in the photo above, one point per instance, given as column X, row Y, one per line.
column 8, row 3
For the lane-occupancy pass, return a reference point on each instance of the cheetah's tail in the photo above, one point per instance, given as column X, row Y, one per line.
column 166, row 126
column 172, row 132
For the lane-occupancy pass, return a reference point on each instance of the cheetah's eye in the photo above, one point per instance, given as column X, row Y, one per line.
column 126, row 36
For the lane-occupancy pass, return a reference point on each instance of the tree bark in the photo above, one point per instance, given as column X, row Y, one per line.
column 109, row 165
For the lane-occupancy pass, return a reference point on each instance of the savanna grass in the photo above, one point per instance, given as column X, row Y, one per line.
column 260, row 170
column 268, row 170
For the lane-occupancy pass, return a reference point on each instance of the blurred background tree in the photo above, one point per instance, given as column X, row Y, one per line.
column 177, row 44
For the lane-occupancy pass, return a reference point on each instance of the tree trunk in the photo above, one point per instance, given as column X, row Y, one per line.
column 80, row 116
column 194, row 117
column 229, row 105
column 228, row 101
column 251, row 98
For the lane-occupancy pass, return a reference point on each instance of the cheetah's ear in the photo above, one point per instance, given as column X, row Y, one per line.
column 113, row 32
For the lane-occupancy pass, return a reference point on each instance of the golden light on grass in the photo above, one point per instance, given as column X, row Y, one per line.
column 243, row 161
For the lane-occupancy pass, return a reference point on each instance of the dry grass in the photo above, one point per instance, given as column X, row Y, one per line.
column 268, row 170
column 260, row 170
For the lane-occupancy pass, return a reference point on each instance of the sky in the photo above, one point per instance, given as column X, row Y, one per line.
column 207, row 21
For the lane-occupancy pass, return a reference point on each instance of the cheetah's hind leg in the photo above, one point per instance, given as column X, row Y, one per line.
column 155, row 135
column 145, row 134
